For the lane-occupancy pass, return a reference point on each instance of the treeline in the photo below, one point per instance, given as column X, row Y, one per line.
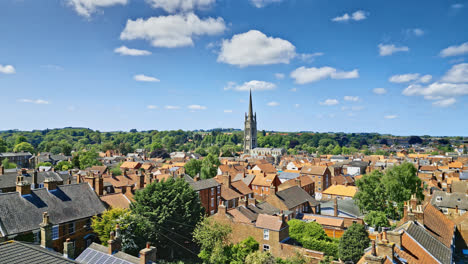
column 216, row 142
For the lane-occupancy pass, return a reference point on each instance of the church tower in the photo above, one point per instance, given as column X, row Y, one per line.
column 250, row 129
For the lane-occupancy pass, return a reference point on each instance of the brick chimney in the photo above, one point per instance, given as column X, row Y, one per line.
column 46, row 231
column 22, row 186
column 197, row 177
column 394, row 237
column 34, row 179
column 50, row 184
column 2, row 169
column 141, row 180
column 148, row 254
column 114, row 243
column 386, row 248
column 100, row 185
column 413, row 201
column 298, row 181
column 221, row 208
column 226, row 179
column 69, row 249
column 91, row 180
column 372, row 258
column 419, row 214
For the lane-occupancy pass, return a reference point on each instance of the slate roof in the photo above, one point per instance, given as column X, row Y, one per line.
column 66, row 203
column 8, row 180
column 295, row 196
column 264, row 208
column 201, row 184
column 450, row 200
column 97, row 254
column 288, row 175
column 13, row 252
column 436, row 248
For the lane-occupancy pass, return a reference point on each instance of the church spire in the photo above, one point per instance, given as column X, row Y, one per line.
column 250, row 106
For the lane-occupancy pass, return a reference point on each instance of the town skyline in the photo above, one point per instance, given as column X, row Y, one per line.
column 347, row 67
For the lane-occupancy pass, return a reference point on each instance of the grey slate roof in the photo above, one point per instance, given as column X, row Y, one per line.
column 66, row 203
column 295, row 196
column 346, row 206
column 450, row 200
column 9, row 179
column 288, row 175
column 18, row 252
column 265, row 208
column 436, row 248
column 97, row 254
column 201, row 184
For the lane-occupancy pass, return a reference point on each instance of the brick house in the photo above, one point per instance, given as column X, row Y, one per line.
column 209, row 191
column 305, row 182
column 66, row 210
column 321, row 176
column 262, row 183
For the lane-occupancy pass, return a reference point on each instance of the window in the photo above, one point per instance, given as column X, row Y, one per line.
column 37, row 237
column 212, row 202
column 55, row 232
column 266, row 189
column 219, row 189
column 212, row 191
column 266, row 234
column 212, row 212
column 266, row 247
column 256, row 187
column 71, row 228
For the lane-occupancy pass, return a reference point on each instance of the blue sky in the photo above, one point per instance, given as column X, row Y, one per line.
column 397, row 67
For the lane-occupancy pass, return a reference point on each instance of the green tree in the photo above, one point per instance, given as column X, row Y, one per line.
column 169, row 211
column 209, row 167
column 56, row 150
column 193, row 167
column 88, row 159
column 63, row 165
column 337, row 150
column 353, row 243
column 376, row 219
column 23, row 146
column 371, row 195
column 260, row 257
column 20, row 139
column 104, row 224
column 7, row 164
column 3, row 145
column 401, row 182
column 242, row 249
column 213, row 239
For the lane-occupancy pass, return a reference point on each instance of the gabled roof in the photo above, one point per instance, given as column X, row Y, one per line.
column 346, row 206
column 264, row 208
column 341, row 190
column 303, row 180
column 295, row 196
column 266, row 168
column 270, row 222
column 97, row 254
column 8, row 180
column 450, row 200
column 20, row 252
column 67, row 203
column 229, row 194
column 440, row 226
column 241, row 187
column 325, row 220
column 116, row 200
column 202, row 184
column 314, row 170
column 264, row 181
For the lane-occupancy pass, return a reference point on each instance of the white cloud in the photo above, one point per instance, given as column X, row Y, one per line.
column 297, row 105
column 263, row 3
column 33, row 101
column 410, row 77
column 173, row 6
column 227, row 111
column 87, row 7
column 255, row 48
column 196, row 107
column 330, row 102
column 457, row 6
column 145, row 78
column 273, row 103
column 171, row 107
column 253, row 85
column 7, row 69
column 389, row 49
column 152, row 107
column 279, row 76
column 131, row 52
column 437, row 90
column 444, row 102
column 293, row 90
column 415, row 32
column 379, row 90
column 351, row 98
column 457, row 74
column 356, row 16
column 455, row 50
column 172, row 31
column 309, row 57
column 303, row 75
column 352, row 108
column 390, row 116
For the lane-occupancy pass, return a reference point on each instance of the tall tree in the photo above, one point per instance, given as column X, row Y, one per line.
column 193, row 167
column 371, row 195
column 169, row 211
column 213, row 239
column 353, row 243
column 209, row 167
column 23, row 146
column 104, row 224
column 401, row 182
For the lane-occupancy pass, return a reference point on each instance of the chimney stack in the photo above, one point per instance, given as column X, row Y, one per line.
column 148, row 254
column 50, row 184
column 222, row 208
column 114, row 242
column 372, row 258
column 22, row 186
column 69, row 249
column 91, row 180
column 197, row 177
column 46, row 231
column 226, row 179
column 100, row 186
column 141, row 180
column 34, row 179
column 2, row 169
column 335, row 207
column 298, row 181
